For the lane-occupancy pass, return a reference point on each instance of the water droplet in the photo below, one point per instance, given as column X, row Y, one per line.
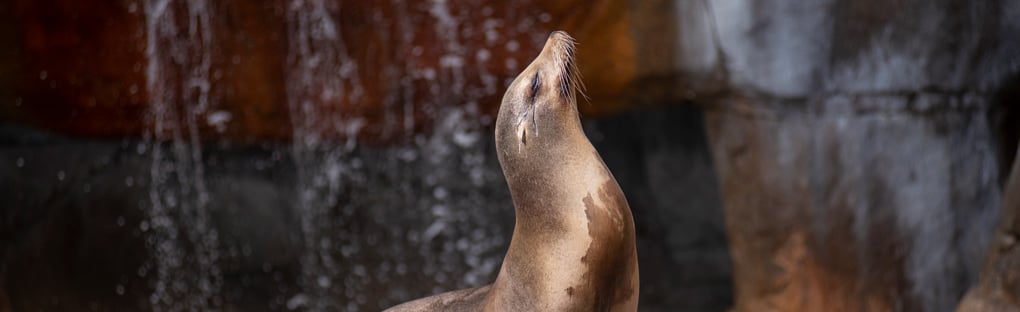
column 512, row 45
column 544, row 17
column 129, row 181
column 120, row 289
column 20, row 162
column 440, row 193
column 429, row 73
column 144, row 226
column 132, row 7
column 60, row 175
column 511, row 64
column 297, row 301
column 408, row 155
column 465, row 139
column 133, row 89
column 482, row 55
column 219, row 119
column 323, row 281
column 42, row 75
column 120, row 221
column 451, row 61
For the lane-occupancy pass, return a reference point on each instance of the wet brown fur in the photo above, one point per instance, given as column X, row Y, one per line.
column 608, row 273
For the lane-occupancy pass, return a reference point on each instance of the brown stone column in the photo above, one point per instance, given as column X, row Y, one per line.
column 854, row 203
column 857, row 164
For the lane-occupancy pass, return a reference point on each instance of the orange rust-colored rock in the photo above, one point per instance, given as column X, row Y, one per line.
column 802, row 284
column 606, row 53
column 779, row 264
column 80, row 67
column 77, row 64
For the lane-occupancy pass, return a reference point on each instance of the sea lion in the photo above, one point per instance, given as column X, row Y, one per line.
column 573, row 246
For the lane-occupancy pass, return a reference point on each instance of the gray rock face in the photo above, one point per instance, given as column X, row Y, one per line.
column 80, row 231
column 876, row 209
column 796, row 48
column 854, row 148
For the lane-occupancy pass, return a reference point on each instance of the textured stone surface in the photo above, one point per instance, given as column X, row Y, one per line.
column 855, row 209
column 999, row 286
column 407, row 221
column 81, row 233
column 857, row 160
column 868, row 46
column 661, row 158
column 82, row 68
column 857, row 146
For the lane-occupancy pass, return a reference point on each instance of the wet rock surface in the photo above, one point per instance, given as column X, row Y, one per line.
column 839, row 209
column 998, row 288
column 407, row 221
column 322, row 155
column 857, row 159
column 857, row 145
column 83, row 69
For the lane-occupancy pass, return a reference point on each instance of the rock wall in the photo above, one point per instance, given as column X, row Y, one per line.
column 997, row 290
column 407, row 221
column 336, row 155
column 881, row 210
column 858, row 162
column 310, row 155
column 83, row 68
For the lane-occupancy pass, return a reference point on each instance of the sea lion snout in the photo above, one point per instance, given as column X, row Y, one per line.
column 553, row 72
column 560, row 46
column 542, row 98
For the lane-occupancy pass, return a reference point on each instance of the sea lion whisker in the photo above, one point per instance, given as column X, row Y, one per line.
column 570, row 76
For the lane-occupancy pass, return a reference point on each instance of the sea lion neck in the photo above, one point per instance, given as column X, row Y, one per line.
column 538, row 124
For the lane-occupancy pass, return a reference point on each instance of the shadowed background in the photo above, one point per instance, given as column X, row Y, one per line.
column 318, row 155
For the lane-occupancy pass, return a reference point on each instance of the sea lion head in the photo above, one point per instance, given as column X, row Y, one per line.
column 539, row 108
